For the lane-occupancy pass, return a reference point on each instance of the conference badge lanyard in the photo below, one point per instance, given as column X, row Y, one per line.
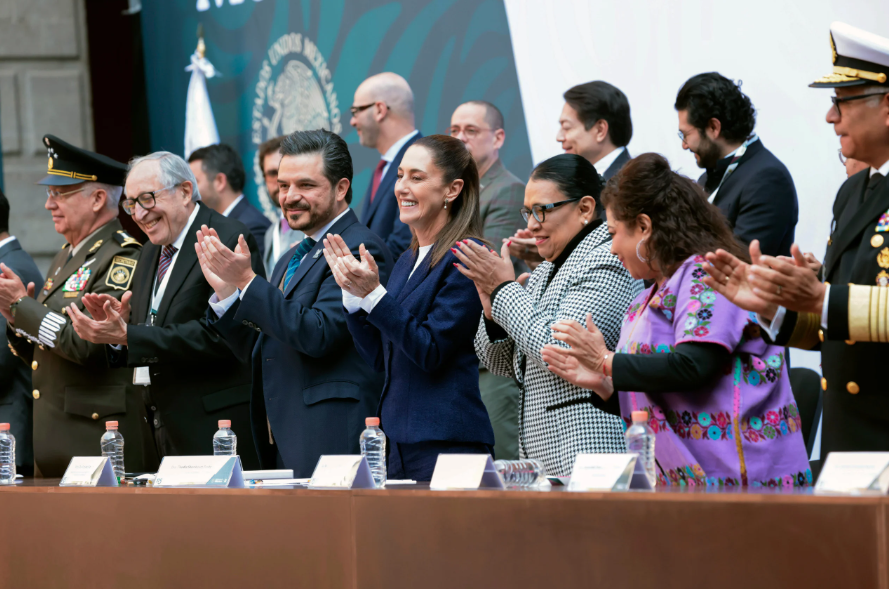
column 736, row 160
column 141, row 376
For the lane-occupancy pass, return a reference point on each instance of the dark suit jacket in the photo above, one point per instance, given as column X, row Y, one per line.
column 857, row 253
column 616, row 165
column 16, row 404
column 382, row 216
column 308, row 380
column 256, row 222
column 195, row 378
column 421, row 335
column 758, row 199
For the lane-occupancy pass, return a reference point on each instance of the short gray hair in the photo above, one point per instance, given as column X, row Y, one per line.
column 113, row 192
column 174, row 170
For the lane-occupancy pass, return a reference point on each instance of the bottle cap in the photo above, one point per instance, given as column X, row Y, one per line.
column 225, row 423
column 4, row 427
column 110, row 425
column 372, row 421
column 640, row 416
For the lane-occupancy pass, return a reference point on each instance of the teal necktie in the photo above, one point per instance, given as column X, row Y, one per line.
column 301, row 250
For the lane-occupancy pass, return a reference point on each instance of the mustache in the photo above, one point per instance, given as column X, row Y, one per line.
column 296, row 207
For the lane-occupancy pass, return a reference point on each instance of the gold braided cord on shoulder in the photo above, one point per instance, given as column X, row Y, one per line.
column 868, row 313
column 805, row 332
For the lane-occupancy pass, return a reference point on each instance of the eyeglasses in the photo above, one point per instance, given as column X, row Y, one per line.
column 357, row 109
column 56, row 195
column 836, row 100
column 146, row 200
column 271, row 174
column 683, row 137
column 470, row 131
column 539, row 211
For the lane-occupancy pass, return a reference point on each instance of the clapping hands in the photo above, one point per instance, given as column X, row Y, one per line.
column 358, row 276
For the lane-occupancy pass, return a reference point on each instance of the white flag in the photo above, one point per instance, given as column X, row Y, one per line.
column 200, row 126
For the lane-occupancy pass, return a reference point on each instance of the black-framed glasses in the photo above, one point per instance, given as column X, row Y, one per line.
column 146, row 200
column 539, row 211
column 470, row 131
column 357, row 109
column 837, row 100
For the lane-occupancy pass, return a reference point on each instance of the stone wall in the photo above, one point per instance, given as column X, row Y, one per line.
column 44, row 88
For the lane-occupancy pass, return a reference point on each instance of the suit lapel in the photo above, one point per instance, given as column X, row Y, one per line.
column 144, row 279
column 387, row 184
column 315, row 254
column 855, row 221
column 418, row 276
column 617, row 164
column 236, row 212
column 185, row 261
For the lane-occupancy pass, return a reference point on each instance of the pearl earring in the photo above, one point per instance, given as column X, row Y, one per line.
column 446, row 205
column 584, row 221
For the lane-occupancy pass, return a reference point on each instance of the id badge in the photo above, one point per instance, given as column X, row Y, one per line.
column 141, row 376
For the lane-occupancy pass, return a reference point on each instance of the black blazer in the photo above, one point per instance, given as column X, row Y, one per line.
column 616, row 165
column 256, row 222
column 382, row 216
column 16, row 403
column 308, row 380
column 758, row 199
column 195, row 378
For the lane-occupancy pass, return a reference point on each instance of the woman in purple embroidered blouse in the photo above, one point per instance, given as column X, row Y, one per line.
column 718, row 397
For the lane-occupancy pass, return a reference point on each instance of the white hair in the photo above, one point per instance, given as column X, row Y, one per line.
column 114, row 193
column 173, row 170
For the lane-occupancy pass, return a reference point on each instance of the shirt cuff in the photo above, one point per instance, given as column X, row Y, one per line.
column 116, row 347
column 370, row 301
column 351, row 302
column 772, row 328
column 241, row 294
column 824, row 306
column 222, row 307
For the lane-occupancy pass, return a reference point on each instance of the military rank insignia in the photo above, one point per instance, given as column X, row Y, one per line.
column 883, row 223
column 47, row 286
column 121, row 273
column 96, row 246
column 76, row 282
column 882, row 278
column 883, row 258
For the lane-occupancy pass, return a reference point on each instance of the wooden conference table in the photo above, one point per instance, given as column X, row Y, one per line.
column 412, row 537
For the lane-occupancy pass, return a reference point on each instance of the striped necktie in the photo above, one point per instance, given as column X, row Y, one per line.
column 164, row 264
column 301, row 250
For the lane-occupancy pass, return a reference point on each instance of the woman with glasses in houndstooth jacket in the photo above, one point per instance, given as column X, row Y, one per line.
column 557, row 420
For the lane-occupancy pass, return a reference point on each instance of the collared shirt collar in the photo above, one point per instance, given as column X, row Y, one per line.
column 884, row 169
column 181, row 239
column 396, row 147
column 605, row 162
column 232, row 206
column 495, row 170
column 319, row 235
column 9, row 239
column 86, row 239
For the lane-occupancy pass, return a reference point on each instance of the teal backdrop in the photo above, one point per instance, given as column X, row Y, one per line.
column 289, row 65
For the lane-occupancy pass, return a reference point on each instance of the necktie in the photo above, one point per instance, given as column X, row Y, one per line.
column 164, row 264
column 872, row 184
column 302, row 249
column 378, row 177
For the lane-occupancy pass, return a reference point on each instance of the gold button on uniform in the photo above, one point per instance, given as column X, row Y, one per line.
column 34, row 365
column 821, row 335
column 852, row 388
column 95, row 416
column 876, row 241
column 850, row 341
column 824, row 384
column 35, row 393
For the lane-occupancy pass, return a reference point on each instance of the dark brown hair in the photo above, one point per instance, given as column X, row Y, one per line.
column 270, row 146
column 453, row 159
column 683, row 223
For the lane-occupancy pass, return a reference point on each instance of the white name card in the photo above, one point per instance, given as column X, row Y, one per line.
column 89, row 471
column 848, row 472
column 606, row 472
column 200, row 471
column 342, row 472
column 465, row 472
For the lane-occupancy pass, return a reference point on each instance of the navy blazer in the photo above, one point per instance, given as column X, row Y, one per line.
column 421, row 335
column 759, row 200
column 382, row 215
column 256, row 222
column 308, row 379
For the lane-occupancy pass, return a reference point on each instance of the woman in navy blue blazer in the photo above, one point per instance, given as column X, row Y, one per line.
column 419, row 329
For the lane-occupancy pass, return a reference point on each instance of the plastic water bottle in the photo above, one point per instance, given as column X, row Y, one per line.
column 225, row 442
column 7, row 455
column 112, row 448
column 373, row 447
column 520, row 473
column 640, row 440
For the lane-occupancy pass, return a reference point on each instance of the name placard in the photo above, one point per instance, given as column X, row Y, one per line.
column 200, row 471
column 342, row 472
column 848, row 472
column 89, row 471
column 606, row 472
column 464, row 472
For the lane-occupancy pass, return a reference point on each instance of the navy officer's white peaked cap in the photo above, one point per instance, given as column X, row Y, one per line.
column 859, row 57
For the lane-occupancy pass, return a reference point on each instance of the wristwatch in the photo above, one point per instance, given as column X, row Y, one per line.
column 14, row 305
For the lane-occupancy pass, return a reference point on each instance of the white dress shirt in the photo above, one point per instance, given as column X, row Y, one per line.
column 390, row 154
column 9, row 239
column 605, row 162
column 353, row 303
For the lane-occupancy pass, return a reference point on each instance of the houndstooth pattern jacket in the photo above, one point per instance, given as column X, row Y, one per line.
column 557, row 420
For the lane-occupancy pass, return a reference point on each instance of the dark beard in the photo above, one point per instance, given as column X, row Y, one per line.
column 709, row 153
column 316, row 218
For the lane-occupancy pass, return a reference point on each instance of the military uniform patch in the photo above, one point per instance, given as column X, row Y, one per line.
column 76, row 282
column 47, row 286
column 121, row 272
column 883, row 258
column 883, row 223
column 882, row 278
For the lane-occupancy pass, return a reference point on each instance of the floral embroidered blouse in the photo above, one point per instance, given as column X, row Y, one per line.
column 744, row 429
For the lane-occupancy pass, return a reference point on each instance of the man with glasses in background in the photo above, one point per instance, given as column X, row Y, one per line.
column 479, row 125
column 74, row 391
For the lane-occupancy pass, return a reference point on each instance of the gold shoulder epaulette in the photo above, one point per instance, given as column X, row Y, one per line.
column 125, row 239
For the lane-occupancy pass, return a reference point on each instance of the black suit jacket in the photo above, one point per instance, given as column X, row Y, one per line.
column 758, row 199
column 616, row 165
column 382, row 215
column 856, row 402
column 309, row 381
column 256, row 222
column 195, row 378
column 16, row 404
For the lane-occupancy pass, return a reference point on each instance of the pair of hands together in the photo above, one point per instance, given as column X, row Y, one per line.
column 584, row 363
column 11, row 290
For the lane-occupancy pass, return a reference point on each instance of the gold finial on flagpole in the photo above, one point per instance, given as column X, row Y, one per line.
column 202, row 48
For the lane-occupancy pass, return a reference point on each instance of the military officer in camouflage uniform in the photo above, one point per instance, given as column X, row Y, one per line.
column 75, row 392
